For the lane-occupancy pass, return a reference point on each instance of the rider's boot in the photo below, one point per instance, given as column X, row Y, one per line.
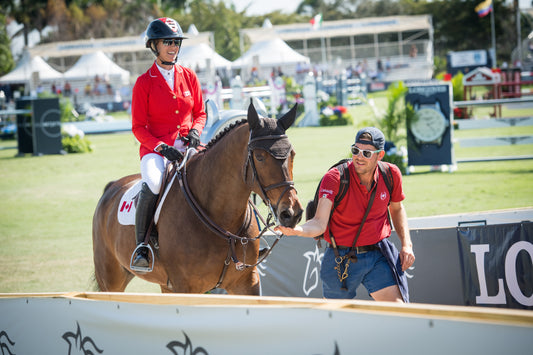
column 143, row 216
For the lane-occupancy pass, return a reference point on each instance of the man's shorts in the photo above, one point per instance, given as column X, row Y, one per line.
column 371, row 269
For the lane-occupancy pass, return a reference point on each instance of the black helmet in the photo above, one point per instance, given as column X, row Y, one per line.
column 163, row 27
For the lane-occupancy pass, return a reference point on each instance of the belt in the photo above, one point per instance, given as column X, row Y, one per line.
column 359, row 250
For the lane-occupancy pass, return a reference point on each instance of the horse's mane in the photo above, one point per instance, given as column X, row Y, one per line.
column 226, row 130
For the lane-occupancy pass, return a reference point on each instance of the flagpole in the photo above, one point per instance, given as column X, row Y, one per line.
column 492, row 30
column 518, row 30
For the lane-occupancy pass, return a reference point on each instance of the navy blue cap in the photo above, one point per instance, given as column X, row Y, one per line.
column 378, row 139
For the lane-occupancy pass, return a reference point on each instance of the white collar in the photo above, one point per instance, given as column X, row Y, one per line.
column 164, row 71
column 168, row 75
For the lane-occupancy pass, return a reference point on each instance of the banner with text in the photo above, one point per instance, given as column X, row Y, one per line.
column 497, row 265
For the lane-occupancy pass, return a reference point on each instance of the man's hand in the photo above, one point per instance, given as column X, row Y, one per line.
column 170, row 153
column 407, row 257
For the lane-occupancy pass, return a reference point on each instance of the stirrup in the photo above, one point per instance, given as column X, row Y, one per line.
column 142, row 269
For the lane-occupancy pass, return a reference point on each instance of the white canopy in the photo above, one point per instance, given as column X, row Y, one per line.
column 96, row 63
column 26, row 66
column 271, row 53
column 197, row 55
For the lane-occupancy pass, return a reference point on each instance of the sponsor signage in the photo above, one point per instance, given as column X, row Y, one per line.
column 429, row 134
column 39, row 132
column 497, row 265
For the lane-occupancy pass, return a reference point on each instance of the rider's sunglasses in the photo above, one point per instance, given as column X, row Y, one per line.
column 366, row 153
column 169, row 42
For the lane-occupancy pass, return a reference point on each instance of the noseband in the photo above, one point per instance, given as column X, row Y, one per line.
column 255, row 176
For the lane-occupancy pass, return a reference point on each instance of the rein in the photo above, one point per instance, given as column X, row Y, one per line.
column 230, row 237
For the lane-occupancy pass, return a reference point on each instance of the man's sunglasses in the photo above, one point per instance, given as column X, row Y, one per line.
column 169, row 42
column 366, row 153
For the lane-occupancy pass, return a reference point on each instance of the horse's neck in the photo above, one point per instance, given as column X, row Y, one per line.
column 217, row 177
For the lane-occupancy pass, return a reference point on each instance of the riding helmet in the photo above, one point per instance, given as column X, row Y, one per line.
column 163, row 27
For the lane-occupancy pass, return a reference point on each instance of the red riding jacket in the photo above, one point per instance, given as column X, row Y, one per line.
column 161, row 114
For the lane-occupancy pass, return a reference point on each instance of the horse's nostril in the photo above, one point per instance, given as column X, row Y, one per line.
column 285, row 215
column 298, row 216
column 288, row 219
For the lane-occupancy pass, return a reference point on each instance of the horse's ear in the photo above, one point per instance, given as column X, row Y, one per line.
column 253, row 117
column 288, row 119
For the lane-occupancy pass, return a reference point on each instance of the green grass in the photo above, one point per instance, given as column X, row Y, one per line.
column 48, row 202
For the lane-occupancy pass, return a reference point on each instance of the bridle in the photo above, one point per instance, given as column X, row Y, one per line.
column 255, row 176
column 230, row 237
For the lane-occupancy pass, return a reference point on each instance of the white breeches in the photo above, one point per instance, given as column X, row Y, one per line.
column 153, row 166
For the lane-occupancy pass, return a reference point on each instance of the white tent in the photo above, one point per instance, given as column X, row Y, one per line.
column 97, row 63
column 270, row 53
column 26, row 66
column 196, row 56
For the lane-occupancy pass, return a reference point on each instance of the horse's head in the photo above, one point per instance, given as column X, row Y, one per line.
column 271, row 157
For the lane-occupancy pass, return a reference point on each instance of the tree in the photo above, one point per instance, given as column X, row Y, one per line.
column 223, row 22
column 30, row 13
column 6, row 59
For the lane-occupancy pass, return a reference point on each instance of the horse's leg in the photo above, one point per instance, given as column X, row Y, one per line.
column 113, row 278
column 248, row 284
column 166, row 289
column 109, row 274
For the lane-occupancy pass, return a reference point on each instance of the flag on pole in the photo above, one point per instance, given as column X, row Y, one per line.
column 483, row 8
column 316, row 21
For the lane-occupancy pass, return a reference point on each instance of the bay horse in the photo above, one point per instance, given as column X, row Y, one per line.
column 207, row 231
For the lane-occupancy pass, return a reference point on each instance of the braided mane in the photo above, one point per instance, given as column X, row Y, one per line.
column 226, row 130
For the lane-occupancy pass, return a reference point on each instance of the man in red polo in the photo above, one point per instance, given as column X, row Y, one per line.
column 373, row 261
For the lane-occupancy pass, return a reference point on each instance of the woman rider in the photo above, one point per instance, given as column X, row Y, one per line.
column 168, row 116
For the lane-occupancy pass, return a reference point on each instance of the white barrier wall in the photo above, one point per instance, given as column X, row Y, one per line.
column 102, row 323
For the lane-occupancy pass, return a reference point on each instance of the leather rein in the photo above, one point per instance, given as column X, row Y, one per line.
column 230, row 237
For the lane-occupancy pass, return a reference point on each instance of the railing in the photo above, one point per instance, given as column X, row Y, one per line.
column 472, row 123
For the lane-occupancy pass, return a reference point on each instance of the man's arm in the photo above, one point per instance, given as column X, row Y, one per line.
column 315, row 226
column 399, row 219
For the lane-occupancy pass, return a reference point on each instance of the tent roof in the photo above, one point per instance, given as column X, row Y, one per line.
column 97, row 63
column 272, row 52
column 109, row 45
column 26, row 66
column 197, row 55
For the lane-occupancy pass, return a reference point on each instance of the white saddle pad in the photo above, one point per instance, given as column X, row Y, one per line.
column 128, row 204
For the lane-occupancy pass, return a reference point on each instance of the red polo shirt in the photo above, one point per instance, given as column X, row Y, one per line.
column 348, row 215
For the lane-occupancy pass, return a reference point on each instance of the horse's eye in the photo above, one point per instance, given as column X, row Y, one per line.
column 260, row 156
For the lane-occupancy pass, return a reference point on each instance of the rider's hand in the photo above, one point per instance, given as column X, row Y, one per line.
column 170, row 153
column 193, row 138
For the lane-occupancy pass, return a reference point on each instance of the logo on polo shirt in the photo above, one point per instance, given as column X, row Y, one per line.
column 383, row 196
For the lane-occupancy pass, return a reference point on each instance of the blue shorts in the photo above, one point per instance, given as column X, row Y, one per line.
column 371, row 269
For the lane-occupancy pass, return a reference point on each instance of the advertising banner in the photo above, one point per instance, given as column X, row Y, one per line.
column 293, row 268
column 39, row 132
column 223, row 324
column 429, row 135
column 46, row 126
column 497, row 265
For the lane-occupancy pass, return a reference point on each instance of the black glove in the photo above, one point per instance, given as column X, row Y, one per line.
column 193, row 138
column 170, row 153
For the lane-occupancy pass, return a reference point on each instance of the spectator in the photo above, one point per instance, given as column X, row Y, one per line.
column 67, row 90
